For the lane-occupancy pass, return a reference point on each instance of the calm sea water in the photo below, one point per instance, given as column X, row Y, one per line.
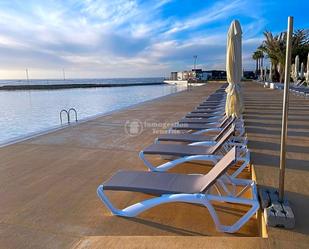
column 82, row 81
column 26, row 112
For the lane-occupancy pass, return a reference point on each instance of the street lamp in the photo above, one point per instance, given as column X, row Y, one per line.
column 195, row 59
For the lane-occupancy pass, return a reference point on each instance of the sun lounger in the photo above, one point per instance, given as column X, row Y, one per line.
column 187, row 137
column 211, row 107
column 301, row 91
column 215, row 99
column 206, row 115
column 217, row 106
column 213, row 104
column 213, row 127
column 299, row 83
column 209, row 122
column 196, row 189
column 200, row 137
column 216, row 126
column 209, row 110
column 218, row 119
column 199, row 150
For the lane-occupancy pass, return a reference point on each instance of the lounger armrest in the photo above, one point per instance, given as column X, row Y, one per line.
column 208, row 130
column 204, row 143
column 166, row 166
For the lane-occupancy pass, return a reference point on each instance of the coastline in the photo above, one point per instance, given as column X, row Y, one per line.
column 71, row 86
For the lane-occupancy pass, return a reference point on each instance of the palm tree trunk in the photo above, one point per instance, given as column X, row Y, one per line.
column 281, row 75
column 256, row 66
column 260, row 66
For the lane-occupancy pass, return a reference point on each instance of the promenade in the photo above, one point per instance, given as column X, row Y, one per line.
column 48, row 183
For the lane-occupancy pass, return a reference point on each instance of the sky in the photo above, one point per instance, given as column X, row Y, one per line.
column 131, row 38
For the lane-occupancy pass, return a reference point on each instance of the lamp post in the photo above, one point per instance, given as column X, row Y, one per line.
column 195, row 59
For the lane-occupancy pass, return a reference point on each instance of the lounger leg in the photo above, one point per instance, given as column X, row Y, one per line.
column 106, row 201
column 146, row 162
column 244, row 164
column 140, row 207
column 239, row 223
column 234, row 182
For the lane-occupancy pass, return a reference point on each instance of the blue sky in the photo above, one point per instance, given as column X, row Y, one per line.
column 128, row 38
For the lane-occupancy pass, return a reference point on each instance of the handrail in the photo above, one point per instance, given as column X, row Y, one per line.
column 68, row 112
column 75, row 112
column 68, row 116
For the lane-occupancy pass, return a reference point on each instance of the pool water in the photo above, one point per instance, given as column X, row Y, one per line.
column 26, row 112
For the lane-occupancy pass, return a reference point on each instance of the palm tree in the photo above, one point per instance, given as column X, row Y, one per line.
column 256, row 58
column 300, row 44
column 275, row 45
column 261, row 58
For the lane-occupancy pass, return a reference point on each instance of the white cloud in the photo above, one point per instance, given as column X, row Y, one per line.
column 116, row 38
column 218, row 11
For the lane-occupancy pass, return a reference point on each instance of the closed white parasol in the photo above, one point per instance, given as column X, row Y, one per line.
column 234, row 103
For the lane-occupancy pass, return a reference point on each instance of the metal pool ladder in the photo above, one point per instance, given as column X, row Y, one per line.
column 68, row 114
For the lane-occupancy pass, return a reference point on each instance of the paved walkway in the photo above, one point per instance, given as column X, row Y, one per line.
column 48, row 184
column 263, row 125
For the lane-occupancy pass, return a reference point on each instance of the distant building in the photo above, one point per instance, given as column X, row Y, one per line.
column 249, row 75
column 188, row 75
column 174, row 75
column 179, row 76
column 199, row 74
column 205, row 75
column 216, row 74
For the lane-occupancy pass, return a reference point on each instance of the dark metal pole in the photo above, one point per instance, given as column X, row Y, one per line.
column 285, row 110
column 195, row 58
column 27, row 75
column 63, row 73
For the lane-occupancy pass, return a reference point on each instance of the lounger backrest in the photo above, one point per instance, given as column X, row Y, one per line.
column 219, row 169
column 223, row 122
column 223, row 139
column 225, row 129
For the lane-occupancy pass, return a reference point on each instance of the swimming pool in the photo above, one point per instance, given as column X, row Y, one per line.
column 26, row 112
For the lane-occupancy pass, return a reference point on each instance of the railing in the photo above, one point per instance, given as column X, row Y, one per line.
column 68, row 114
column 75, row 112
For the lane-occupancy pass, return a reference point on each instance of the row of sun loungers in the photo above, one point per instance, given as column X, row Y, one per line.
column 299, row 89
column 296, row 88
column 204, row 135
